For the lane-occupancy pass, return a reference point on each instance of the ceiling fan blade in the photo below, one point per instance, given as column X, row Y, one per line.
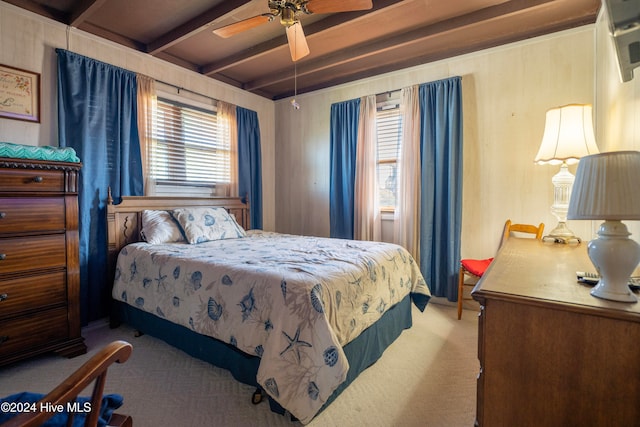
column 333, row 6
column 240, row 26
column 297, row 41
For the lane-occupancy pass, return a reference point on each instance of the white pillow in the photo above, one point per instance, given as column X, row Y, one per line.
column 160, row 227
column 207, row 223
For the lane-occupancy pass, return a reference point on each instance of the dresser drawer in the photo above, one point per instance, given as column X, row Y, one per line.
column 20, row 214
column 28, row 180
column 29, row 294
column 32, row 331
column 18, row 254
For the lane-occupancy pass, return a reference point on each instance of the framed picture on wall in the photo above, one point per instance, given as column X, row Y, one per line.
column 19, row 94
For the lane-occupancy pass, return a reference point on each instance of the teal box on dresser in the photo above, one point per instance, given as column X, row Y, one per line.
column 39, row 259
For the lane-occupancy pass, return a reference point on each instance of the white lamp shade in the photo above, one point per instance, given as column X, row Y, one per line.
column 568, row 135
column 607, row 187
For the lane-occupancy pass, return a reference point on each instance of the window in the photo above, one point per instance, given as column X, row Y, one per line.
column 190, row 148
column 389, row 134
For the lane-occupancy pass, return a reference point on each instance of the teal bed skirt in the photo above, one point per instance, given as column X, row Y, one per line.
column 361, row 352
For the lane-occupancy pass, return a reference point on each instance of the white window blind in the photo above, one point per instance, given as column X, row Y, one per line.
column 389, row 133
column 190, row 148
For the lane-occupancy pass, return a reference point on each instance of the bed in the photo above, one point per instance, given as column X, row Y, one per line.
column 297, row 316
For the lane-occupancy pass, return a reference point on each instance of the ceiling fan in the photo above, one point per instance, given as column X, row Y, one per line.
column 288, row 11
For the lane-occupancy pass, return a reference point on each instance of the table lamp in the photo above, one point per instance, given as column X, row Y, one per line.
column 606, row 188
column 568, row 136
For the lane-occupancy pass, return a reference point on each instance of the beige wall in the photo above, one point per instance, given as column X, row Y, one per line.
column 28, row 41
column 506, row 92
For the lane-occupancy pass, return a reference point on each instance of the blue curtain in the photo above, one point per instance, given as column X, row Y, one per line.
column 344, row 139
column 441, row 185
column 97, row 117
column 250, row 163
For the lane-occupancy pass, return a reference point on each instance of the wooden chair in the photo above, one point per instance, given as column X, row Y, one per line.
column 94, row 370
column 476, row 267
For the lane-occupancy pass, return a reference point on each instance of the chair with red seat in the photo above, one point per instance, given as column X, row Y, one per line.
column 476, row 267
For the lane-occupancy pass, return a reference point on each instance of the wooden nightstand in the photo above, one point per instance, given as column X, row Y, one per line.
column 39, row 259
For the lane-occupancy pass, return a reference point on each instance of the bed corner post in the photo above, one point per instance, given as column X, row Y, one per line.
column 247, row 216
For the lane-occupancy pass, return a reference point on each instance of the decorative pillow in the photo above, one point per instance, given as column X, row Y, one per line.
column 209, row 223
column 160, row 227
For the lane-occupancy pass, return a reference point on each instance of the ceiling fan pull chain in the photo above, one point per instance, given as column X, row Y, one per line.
column 295, row 103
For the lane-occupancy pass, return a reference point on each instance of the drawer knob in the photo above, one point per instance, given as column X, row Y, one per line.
column 3, row 297
column 38, row 178
column 4, row 338
column 3, row 256
column 3, row 215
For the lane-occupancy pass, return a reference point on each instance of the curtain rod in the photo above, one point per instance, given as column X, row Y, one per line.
column 179, row 88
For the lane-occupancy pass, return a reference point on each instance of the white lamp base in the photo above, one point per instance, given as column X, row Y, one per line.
column 615, row 256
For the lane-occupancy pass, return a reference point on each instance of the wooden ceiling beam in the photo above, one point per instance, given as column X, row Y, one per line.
column 280, row 41
column 194, row 25
column 83, row 10
column 178, row 61
column 418, row 35
column 109, row 35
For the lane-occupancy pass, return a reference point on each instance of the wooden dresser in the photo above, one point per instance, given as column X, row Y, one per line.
column 550, row 353
column 39, row 259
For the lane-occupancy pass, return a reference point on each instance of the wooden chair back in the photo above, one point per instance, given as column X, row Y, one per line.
column 517, row 230
column 94, row 370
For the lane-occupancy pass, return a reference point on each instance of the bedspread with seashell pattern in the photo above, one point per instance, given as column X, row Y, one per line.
column 294, row 301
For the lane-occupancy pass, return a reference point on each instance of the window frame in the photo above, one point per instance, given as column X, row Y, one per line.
column 386, row 103
column 181, row 183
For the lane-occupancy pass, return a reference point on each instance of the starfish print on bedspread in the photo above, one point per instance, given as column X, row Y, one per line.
column 160, row 280
column 294, row 344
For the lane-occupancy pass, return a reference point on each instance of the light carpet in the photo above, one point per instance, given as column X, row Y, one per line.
column 427, row 377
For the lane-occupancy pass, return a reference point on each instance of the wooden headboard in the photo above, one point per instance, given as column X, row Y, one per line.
column 124, row 219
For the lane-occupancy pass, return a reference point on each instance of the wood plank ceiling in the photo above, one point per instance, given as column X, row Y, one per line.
column 345, row 46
